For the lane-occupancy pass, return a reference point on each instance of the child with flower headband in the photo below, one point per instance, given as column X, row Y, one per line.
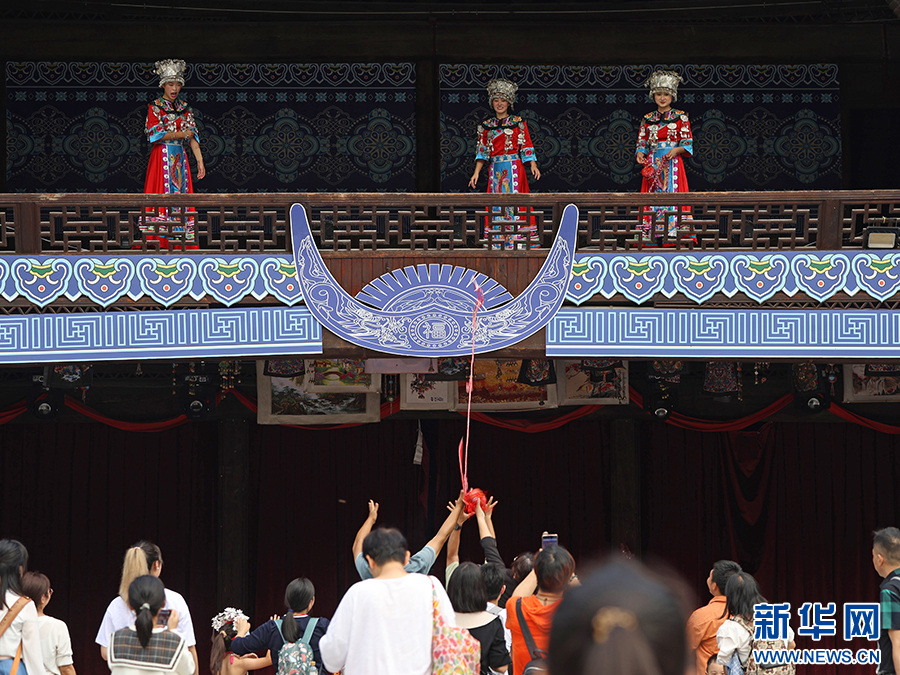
column 222, row 661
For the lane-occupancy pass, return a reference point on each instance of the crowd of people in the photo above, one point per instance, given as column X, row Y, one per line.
column 531, row 617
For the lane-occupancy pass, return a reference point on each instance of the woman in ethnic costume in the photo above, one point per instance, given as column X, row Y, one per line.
column 171, row 125
column 504, row 144
column 665, row 135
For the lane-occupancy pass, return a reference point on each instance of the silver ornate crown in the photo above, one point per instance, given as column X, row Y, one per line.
column 170, row 70
column 664, row 81
column 230, row 614
column 502, row 89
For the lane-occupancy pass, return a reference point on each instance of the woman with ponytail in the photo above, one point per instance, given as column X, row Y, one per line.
column 296, row 624
column 20, row 642
column 144, row 558
column 148, row 648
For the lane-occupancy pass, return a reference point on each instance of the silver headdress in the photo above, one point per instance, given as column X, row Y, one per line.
column 230, row 615
column 665, row 81
column 170, row 70
column 502, row 89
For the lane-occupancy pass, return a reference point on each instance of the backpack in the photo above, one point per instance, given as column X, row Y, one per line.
column 538, row 663
column 296, row 658
column 754, row 668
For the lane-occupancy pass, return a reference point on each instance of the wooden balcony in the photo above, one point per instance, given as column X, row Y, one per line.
column 363, row 235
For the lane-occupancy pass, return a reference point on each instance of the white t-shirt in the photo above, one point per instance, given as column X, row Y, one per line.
column 119, row 615
column 56, row 645
column 732, row 636
column 24, row 629
column 501, row 612
column 385, row 626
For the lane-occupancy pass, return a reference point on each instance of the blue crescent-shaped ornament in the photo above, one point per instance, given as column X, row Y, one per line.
column 437, row 330
column 878, row 276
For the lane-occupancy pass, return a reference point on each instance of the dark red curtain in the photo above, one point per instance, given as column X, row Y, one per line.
column 77, row 495
column 795, row 504
column 313, row 490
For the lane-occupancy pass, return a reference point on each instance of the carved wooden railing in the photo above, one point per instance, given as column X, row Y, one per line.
column 80, row 223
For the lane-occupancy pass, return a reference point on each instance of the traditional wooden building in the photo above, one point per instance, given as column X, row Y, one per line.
column 131, row 375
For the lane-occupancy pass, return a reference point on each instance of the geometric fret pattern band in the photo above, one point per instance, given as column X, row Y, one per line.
column 165, row 334
column 724, row 334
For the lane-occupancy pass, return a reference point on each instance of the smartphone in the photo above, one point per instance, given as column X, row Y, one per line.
column 548, row 539
column 162, row 618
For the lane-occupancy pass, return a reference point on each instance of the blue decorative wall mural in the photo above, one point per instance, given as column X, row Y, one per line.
column 755, row 127
column 263, row 127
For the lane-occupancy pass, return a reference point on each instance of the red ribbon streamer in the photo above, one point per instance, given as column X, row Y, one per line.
column 470, row 385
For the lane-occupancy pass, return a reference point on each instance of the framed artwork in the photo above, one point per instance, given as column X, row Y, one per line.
column 588, row 386
column 284, row 400
column 871, row 383
column 496, row 387
column 339, row 376
column 417, row 393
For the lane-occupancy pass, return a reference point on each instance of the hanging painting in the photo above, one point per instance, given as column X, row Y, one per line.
column 419, row 393
column 589, row 382
column 285, row 400
column 340, row 376
column 496, row 387
column 871, row 383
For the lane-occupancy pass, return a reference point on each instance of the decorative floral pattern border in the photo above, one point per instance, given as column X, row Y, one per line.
column 639, row 278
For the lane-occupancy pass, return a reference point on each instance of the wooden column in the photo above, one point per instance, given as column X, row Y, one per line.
column 428, row 127
column 625, row 502
column 829, row 233
column 233, row 525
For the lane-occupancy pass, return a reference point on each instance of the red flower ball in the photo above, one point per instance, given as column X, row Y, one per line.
column 474, row 496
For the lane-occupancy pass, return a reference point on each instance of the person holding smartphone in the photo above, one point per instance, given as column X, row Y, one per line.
column 144, row 558
column 146, row 648
column 538, row 597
